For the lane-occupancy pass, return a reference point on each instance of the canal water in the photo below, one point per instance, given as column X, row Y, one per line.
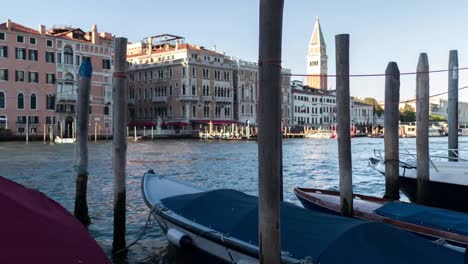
column 211, row 164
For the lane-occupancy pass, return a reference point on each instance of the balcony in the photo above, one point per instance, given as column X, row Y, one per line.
column 159, row 99
column 223, row 99
column 67, row 96
column 188, row 97
column 207, row 98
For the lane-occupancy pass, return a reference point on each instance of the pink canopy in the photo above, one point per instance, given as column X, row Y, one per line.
column 36, row 229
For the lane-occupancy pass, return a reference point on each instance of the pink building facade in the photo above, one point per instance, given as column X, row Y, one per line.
column 39, row 78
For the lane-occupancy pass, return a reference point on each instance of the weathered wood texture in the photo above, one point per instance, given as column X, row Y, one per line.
column 269, row 134
column 343, row 118
column 391, row 137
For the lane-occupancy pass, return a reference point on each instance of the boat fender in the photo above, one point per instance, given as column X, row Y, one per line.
column 178, row 238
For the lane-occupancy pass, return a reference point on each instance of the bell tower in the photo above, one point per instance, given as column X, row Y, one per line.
column 317, row 59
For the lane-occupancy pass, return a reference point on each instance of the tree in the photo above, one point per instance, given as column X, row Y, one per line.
column 407, row 114
column 377, row 107
column 436, row 118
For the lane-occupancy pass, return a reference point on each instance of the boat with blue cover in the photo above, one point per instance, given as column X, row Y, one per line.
column 224, row 224
column 433, row 223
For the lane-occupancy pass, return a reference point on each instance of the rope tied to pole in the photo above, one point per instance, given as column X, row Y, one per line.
column 80, row 170
column 276, row 63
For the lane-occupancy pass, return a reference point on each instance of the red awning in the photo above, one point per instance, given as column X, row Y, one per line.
column 141, row 124
column 216, row 122
column 177, row 124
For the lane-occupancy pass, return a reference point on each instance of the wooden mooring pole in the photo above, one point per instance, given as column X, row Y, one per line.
column 81, row 205
column 269, row 134
column 343, row 116
column 453, row 106
column 391, row 139
column 119, row 93
column 422, row 127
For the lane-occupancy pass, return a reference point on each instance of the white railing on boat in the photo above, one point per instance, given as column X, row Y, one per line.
column 380, row 154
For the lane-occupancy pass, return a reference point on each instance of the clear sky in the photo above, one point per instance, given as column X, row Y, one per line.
column 380, row 31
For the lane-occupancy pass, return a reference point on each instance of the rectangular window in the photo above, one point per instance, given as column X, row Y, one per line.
column 183, row 71
column 50, row 102
column 33, row 77
column 3, row 75
column 106, row 110
column 106, row 65
column 3, row 51
column 49, row 43
column 50, row 57
column 19, row 76
column 20, row 39
column 32, row 41
column 20, row 54
column 77, row 59
column 2, row 35
column 59, row 57
column 32, row 55
column 193, row 72
column 50, row 78
column 33, row 120
column 21, row 119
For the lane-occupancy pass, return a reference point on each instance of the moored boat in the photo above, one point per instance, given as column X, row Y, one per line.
column 36, row 229
column 224, row 223
column 448, row 181
column 430, row 222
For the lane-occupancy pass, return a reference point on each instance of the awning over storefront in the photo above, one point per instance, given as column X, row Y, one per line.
column 215, row 122
column 142, row 124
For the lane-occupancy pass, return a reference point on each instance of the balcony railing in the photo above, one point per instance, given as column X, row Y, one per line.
column 207, row 98
column 223, row 99
column 188, row 98
column 159, row 99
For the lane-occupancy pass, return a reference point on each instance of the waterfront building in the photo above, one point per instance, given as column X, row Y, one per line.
column 178, row 82
column 362, row 114
column 39, row 77
column 187, row 84
column 313, row 107
column 317, row 59
column 245, row 91
column 72, row 46
column 317, row 108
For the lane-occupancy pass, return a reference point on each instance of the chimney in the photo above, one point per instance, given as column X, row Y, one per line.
column 42, row 29
column 8, row 24
column 149, row 45
column 177, row 44
column 94, row 34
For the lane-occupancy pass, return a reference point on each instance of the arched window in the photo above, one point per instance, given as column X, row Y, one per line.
column 68, row 55
column 193, row 89
column 183, row 89
column 20, row 101
column 2, row 100
column 33, row 102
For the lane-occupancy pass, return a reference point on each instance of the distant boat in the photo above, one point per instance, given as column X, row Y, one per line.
column 430, row 222
column 36, row 229
column 224, row 224
column 64, row 140
column 448, row 181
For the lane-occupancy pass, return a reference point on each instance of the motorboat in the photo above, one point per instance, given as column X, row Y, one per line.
column 448, row 181
column 437, row 224
column 224, row 224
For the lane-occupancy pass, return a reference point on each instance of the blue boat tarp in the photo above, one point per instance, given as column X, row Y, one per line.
column 432, row 217
column 323, row 237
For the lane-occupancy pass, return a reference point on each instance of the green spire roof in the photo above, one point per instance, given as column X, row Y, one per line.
column 317, row 36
